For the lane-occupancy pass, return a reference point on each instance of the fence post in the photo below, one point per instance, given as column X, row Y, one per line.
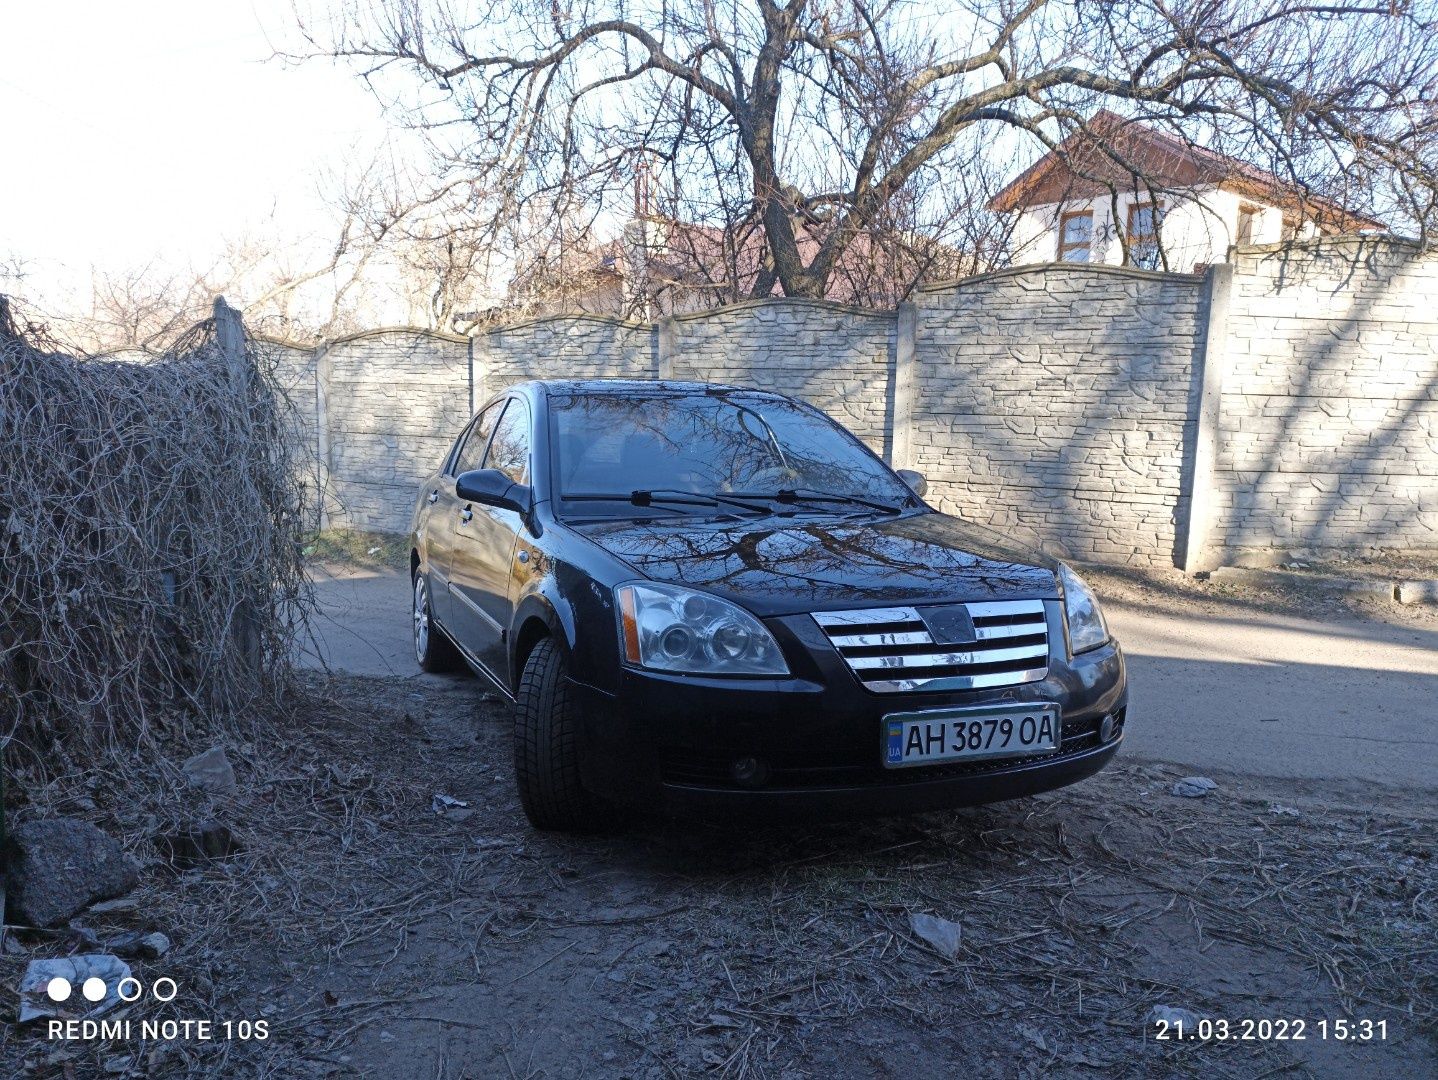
column 1217, row 290
column 469, row 356
column 479, row 365
column 664, row 333
column 324, row 452
column 230, row 337
column 901, row 442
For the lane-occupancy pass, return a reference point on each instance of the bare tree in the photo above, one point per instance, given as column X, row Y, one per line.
column 392, row 255
column 813, row 123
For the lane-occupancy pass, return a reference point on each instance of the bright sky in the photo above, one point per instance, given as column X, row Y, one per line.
column 160, row 127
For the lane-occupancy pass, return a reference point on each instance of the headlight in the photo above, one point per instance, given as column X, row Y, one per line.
column 667, row 628
column 1087, row 630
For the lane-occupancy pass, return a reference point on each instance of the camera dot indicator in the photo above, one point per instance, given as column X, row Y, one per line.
column 58, row 989
column 94, row 989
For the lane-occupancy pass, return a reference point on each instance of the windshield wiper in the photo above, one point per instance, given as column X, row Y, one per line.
column 644, row 497
column 658, row 496
column 793, row 495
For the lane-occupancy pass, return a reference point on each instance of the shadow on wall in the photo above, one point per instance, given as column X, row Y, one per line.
column 1054, row 402
column 1329, row 433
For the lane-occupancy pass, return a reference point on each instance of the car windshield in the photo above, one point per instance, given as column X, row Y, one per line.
column 683, row 450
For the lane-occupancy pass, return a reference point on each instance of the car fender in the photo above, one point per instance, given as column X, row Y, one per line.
column 541, row 604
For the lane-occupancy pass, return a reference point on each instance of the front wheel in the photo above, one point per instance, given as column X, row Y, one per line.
column 432, row 649
column 546, row 749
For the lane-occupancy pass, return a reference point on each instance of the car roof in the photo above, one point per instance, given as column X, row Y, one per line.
column 639, row 386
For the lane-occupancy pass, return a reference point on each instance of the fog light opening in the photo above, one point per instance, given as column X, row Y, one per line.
column 749, row 772
column 1105, row 729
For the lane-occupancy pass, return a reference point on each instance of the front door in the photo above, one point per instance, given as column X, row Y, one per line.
column 483, row 549
column 444, row 510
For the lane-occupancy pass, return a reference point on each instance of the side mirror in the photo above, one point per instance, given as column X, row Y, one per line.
column 492, row 488
column 917, row 484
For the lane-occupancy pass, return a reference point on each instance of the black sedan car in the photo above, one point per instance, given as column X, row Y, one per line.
column 716, row 601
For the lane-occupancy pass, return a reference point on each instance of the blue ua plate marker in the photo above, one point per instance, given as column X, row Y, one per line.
column 896, row 744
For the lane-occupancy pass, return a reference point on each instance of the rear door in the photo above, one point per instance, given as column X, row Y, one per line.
column 483, row 548
column 444, row 508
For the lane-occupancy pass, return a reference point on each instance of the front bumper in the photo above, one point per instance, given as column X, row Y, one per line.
column 671, row 742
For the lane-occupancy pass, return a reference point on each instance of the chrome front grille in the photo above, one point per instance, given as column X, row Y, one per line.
column 894, row 649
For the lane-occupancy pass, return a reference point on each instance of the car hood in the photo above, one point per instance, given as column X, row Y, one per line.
column 782, row 565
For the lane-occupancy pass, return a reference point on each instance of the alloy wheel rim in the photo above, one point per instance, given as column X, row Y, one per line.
column 421, row 618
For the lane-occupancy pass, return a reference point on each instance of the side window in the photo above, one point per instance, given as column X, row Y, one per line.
column 509, row 452
column 472, row 453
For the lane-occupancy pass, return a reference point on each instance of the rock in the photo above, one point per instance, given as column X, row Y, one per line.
column 211, row 771
column 197, row 845
column 59, row 867
column 58, row 987
column 1172, row 1016
column 1033, row 1035
column 1284, row 811
column 139, row 944
column 942, row 934
column 1193, row 787
column 1416, row 592
column 122, row 903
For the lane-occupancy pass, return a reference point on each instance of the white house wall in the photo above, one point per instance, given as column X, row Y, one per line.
column 1197, row 229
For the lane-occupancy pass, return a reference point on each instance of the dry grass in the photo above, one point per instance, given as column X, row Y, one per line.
column 485, row 949
column 359, row 549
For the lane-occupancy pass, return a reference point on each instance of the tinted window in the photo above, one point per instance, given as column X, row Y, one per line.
column 509, row 451
column 705, row 443
column 473, row 451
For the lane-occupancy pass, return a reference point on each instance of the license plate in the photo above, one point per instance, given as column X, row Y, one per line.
column 923, row 738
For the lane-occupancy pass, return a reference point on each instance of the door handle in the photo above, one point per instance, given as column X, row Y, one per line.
column 434, row 496
column 465, row 515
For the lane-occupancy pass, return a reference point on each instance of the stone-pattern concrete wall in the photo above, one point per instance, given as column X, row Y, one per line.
column 570, row 346
column 393, row 403
column 837, row 358
column 1329, row 419
column 1054, row 403
column 293, row 367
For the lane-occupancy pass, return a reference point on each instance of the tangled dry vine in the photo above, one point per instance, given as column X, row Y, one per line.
column 152, row 518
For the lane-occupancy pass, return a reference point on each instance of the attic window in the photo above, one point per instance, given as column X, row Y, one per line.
column 1143, row 220
column 1075, row 236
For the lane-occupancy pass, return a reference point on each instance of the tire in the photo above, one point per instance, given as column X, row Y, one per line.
column 546, row 750
column 432, row 649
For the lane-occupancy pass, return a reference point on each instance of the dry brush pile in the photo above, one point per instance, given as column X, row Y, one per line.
column 152, row 516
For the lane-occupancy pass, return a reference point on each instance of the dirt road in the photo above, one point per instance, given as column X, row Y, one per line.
column 380, row 938
column 389, row 913
column 1222, row 684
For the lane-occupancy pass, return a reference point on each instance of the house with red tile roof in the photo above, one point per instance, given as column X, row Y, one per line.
column 1123, row 192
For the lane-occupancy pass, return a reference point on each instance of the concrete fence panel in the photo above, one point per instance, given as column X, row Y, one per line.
column 1055, row 402
column 1329, row 433
column 1286, row 401
column 391, row 403
column 840, row 359
column 571, row 346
